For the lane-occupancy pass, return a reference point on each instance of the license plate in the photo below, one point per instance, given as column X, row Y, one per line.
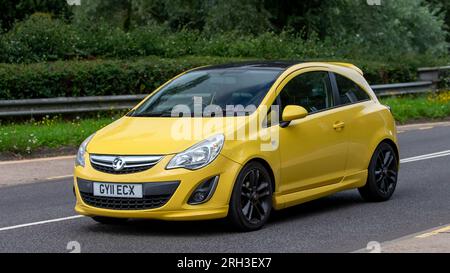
column 118, row 190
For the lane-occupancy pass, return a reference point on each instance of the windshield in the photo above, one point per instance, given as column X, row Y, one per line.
column 223, row 91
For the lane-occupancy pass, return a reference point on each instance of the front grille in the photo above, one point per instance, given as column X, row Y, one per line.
column 124, row 171
column 155, row 195
column 118, row 203
column 130, row 164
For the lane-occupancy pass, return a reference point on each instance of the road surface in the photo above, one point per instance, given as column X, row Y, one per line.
column 37, row 217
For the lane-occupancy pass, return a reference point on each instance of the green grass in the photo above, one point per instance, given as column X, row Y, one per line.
column 410, row 108
column 28, row 137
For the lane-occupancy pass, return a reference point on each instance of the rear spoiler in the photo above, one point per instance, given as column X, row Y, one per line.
column 351, row 66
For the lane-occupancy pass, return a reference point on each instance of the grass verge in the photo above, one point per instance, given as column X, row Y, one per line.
column 408, row 109
column 47, row 135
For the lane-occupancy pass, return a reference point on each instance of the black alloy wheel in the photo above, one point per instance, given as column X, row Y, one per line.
column 382, row 176
column 251, row 202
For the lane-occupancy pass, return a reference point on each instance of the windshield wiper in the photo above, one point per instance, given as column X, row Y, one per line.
column 153, row 114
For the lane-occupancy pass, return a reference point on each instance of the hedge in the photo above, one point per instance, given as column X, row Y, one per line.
column 91, row 78
column 135, row 76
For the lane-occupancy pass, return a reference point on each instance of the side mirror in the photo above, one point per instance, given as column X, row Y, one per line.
column 292, row 112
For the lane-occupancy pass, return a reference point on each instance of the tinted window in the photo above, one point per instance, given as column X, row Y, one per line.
column 349, row 91
column 223, row 88
column 310, row 90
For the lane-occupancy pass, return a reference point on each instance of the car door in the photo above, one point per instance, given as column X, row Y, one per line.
column 357, row 109
column 313, row 150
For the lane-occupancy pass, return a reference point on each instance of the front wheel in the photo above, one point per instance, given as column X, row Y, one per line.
column 382, row 174
column 251, row 200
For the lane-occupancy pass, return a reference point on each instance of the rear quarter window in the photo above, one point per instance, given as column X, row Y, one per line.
column 349, row 91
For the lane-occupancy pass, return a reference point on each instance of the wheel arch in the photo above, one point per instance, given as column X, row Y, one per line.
column 392, row 144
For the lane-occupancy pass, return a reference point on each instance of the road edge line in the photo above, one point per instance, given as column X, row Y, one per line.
column 36, row 160
column 41, row 222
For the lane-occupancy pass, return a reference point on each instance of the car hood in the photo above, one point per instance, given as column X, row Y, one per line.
column 149, row 136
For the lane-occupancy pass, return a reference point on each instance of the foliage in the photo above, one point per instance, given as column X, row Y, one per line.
column 39, row 38
column 92, row 78
column 17, row 10
column 393, row 29
column 388, row 42
column 442, row 7
column 241, row 16
column 405, row 24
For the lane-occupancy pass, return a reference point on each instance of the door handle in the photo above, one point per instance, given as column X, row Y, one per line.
column 339, row 125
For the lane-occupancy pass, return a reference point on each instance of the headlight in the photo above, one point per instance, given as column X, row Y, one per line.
column 199, row 155
column 79, row 161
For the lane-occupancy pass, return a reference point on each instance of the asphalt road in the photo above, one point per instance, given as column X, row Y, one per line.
column 339, row 223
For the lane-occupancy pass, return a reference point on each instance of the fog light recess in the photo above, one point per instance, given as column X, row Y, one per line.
column 204, row 191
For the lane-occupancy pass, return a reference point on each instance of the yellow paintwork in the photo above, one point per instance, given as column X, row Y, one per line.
column 293, row 112
column 317, row 155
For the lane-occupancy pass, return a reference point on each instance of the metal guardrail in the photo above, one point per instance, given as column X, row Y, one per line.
column 383, row 90
column 432, row 73
column 36, row 107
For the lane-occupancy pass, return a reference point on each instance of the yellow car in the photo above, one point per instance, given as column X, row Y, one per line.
column 238, row 141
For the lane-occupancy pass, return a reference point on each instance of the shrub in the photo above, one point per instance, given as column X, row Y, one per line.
column 92, row 78
column 37, row 39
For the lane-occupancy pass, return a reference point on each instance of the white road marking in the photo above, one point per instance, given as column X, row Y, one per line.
column 424, row 157
column 42, row 222
column 426, row 128
column 60, row 177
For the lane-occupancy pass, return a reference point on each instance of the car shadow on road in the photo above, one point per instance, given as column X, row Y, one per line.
column 164, row 228
column 221, row 226
column 316, row 207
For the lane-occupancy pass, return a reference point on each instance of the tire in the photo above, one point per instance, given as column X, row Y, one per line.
column 251, row 200
column 109, row 220
column 382, row 174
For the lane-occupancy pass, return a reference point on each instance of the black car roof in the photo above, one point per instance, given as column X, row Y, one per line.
column 272, row 65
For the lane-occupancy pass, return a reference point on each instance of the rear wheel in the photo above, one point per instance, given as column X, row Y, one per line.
column 382, row 174
column 251, row 201
column 109, row 220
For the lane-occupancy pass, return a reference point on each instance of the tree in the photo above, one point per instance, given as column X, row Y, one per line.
column 243, row 16
column 443, row 8
column 395, row 26
column 114, row 12
column 12, row 11
column 297, row 15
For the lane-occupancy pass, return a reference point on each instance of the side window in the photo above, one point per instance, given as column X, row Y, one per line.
column 311, row 90
column 349, row 91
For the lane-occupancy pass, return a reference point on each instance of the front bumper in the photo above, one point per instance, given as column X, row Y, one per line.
column 176, row 208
